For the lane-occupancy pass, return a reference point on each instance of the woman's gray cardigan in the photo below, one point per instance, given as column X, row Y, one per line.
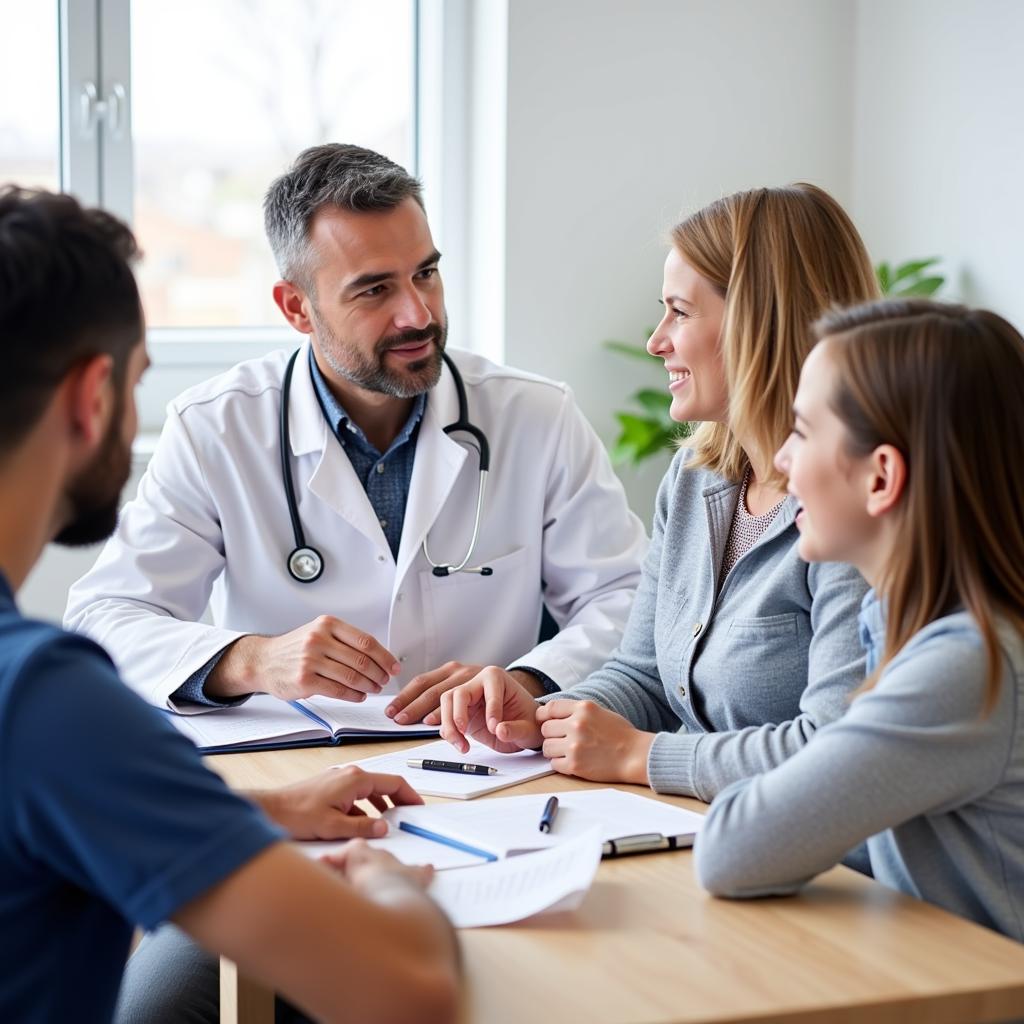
column 733, row 682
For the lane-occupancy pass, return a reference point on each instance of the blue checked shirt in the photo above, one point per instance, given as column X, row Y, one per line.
column 385, row 478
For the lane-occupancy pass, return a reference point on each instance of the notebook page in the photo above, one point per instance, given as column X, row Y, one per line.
column 260, row 718
column 364, row 717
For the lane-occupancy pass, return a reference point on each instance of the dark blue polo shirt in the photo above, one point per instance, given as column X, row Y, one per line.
column 108, row 820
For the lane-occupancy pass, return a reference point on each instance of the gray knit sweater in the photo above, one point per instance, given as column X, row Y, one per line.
column 734, row 682
column 935, row 788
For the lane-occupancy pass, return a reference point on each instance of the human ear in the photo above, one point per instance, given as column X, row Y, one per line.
column 90, row 398
column 291, row 300
column 887, row 479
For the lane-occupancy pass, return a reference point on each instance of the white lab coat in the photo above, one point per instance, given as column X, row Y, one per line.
column 210, row 526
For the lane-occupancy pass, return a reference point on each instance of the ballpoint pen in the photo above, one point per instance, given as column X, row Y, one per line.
column 458, row 767
column 547, row 819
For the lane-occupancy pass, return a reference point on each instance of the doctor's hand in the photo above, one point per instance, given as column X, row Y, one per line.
column 589, row 741
column 493, row 708
column 420, row 698
column 326, row 656
column 325, row 806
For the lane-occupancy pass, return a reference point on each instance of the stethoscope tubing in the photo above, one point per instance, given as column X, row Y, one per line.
column 305, row 563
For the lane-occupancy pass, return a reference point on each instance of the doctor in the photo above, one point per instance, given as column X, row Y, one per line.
column 395, row 565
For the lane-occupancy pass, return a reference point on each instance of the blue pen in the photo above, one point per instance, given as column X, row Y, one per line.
column 547, row 819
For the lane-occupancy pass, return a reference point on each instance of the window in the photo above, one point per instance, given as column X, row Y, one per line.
column 30, row 113
column 224, row 94
column 177, row 116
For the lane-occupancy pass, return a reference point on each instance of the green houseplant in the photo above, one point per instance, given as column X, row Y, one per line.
column 648, row 429
column 915, row 277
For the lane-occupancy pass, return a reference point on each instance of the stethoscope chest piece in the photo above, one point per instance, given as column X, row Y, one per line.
column 305, row 564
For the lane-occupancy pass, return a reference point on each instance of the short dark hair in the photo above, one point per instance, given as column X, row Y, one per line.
column 67, row 293
column 335, row 174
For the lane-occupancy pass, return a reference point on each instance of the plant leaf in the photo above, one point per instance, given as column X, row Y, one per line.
column 638, row 429
column 658, row 443
column 655, row 402
column 922, row 286
column 884, row 275
column 643, row 438
column 912, row 268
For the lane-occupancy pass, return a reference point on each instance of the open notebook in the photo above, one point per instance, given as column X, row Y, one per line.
column 266, row 723
column 506, row 827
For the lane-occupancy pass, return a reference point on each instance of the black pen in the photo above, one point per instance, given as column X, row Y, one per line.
column 459, row 767
column 547, row 819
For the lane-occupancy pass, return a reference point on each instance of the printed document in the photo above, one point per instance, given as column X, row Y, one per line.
column 514, row 889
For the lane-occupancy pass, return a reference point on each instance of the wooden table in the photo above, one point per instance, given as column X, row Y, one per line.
column 649, row 946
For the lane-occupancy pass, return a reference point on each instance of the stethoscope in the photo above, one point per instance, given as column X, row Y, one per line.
column 305, row 563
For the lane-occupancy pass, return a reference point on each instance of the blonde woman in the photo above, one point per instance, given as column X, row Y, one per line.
column 736, row 651
column 905, row 459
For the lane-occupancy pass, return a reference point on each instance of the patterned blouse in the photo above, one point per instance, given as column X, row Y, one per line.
column 745, row 529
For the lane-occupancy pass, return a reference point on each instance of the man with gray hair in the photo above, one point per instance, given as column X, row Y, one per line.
column 330, row 506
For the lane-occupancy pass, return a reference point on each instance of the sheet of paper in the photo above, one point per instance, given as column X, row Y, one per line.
column 511, row 890
column 512, row 769
column 261, row 717
column 492, row 826
column 404, row 846
column 366, row 716
column 507, row 826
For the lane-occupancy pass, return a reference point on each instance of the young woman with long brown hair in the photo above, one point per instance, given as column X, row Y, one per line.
column 736, row 651
column 906, row 459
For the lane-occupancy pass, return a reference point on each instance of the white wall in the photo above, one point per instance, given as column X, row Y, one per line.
column 620, row 117
column 939, row 141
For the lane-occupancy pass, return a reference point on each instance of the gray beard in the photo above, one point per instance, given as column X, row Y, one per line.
column 371, row 374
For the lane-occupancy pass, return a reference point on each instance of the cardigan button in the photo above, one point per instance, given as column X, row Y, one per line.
column 697, row 627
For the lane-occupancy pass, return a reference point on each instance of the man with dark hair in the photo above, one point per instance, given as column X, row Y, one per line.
column 108, row 819
column 386, row 477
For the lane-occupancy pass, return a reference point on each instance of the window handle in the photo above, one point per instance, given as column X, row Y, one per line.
column 90, row 110
column 116, row 111
column 113, row 109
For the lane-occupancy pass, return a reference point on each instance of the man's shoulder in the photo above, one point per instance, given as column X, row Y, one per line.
column 31, row 651
column 23, row 638
column 252, row 378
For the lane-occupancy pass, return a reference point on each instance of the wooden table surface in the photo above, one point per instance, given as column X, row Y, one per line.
column 649, row 946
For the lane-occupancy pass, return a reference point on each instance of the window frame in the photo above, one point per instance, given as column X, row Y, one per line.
column 96, row 166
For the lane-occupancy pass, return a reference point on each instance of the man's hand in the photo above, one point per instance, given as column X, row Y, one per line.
column 420, row 698
column 589, row 741
column 367, row 868
column 494, row 708
column 325, row 656
column 324, row 806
